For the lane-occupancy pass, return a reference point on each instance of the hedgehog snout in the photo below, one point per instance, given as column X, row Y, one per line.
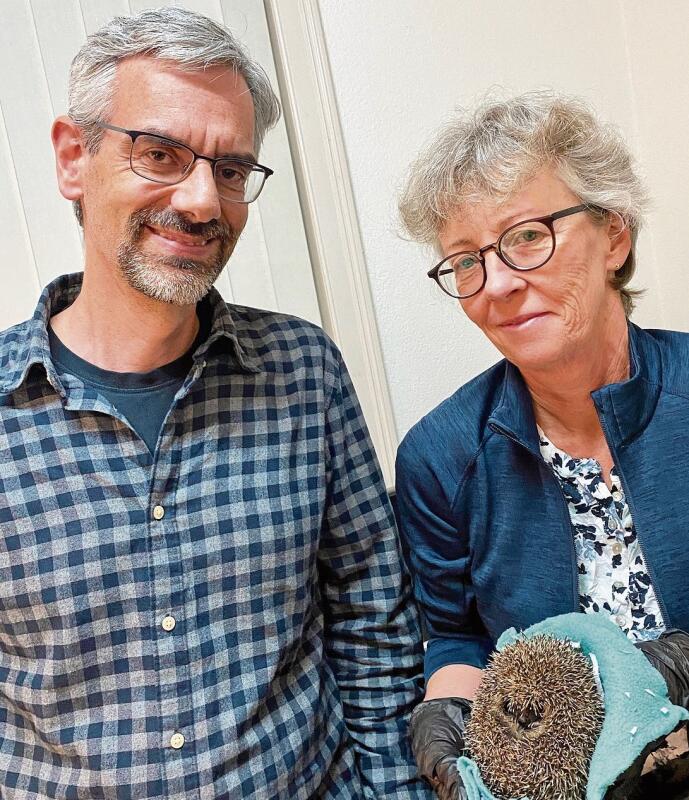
column 526, row 717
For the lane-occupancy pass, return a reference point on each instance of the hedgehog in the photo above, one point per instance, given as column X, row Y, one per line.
column 535, row 721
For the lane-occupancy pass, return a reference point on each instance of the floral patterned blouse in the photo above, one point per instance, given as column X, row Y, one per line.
column 612, row 573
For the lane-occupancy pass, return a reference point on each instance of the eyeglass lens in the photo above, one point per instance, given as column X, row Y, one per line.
column 167, row 162
column 525, row 246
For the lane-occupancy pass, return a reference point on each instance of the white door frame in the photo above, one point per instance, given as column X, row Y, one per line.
column 330, row 218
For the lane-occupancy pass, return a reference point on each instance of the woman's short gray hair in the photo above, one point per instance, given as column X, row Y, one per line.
column 174, row 34
column 490, row 152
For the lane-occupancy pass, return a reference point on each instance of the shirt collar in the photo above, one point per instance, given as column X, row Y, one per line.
column 31, row 345
column 626, row 408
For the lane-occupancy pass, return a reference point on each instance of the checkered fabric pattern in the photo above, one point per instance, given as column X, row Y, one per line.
column 226, row 618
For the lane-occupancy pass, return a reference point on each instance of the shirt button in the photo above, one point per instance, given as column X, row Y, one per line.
column 619, row 619
column 168, row 623
column 158, row 512
column 617, row 496
column 177, row 741
column 617, row 548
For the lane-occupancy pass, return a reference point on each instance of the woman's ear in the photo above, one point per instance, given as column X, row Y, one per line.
column 620, row 239
column 70, row 157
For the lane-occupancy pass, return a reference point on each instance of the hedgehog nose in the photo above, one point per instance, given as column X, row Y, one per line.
column 528, row 718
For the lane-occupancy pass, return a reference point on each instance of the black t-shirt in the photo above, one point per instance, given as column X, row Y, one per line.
column 143, row 398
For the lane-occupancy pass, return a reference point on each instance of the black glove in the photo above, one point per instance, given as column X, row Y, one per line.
column 669, row 654
column 436, row 729
column 628, row 785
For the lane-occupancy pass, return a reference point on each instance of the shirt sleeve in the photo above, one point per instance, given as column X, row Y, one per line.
column 439, row 557
column 373, row 640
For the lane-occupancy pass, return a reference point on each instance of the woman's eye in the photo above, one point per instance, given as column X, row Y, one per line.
column 530, row 236
column 465, row 263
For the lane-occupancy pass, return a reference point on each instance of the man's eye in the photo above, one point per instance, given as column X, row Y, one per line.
column 161, row 156
column 158, row 155
column 233, row 173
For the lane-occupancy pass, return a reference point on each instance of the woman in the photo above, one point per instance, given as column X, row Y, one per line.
column 554, row 481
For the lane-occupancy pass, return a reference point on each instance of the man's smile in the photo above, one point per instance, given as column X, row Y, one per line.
column 179, row 243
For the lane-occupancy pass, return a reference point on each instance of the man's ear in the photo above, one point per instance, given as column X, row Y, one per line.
column 70, row 157
column 620, row 238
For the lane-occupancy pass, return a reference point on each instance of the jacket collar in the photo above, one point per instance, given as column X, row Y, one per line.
column 32, row 346
column 625, row 408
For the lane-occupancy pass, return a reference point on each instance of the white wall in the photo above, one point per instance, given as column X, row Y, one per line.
column 401, row 66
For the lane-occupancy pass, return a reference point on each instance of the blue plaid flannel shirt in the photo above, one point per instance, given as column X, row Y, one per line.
column 226, row 618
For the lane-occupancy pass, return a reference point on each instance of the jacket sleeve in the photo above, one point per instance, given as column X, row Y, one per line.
column 373, row 639
column 438, row 555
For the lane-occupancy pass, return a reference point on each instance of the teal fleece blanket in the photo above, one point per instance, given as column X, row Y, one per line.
column 637, row 709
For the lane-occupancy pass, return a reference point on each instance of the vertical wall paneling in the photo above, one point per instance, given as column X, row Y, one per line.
column 329, row 210
column 60, row 32
column 18, row 273
column 97, row 12
column 285, row 242
column 28, row 114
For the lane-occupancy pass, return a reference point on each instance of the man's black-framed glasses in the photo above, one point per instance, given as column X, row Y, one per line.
column 167, row 161
column 523, row 246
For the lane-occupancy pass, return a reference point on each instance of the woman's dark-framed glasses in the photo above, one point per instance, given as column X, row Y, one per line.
column 168, row 161
column 523, row 246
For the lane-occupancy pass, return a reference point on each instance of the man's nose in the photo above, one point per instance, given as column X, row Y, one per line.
column 501, row 280
column 197, row 195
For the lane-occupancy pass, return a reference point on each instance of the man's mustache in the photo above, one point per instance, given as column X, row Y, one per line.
column 169, row 218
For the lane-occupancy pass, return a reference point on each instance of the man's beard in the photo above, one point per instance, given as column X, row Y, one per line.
column 168, row 278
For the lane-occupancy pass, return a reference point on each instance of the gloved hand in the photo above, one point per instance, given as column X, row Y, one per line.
column 669, row 654
column 436, row 729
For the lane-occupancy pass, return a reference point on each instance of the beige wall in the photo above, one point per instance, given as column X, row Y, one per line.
column 400, row 66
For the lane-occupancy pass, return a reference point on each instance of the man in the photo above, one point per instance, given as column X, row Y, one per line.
column 201, row 593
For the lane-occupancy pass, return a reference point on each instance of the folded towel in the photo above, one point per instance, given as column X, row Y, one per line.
column 476, row 789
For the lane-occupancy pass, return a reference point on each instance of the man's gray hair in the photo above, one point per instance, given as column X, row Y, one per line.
column 184, row 37
column 490, row 152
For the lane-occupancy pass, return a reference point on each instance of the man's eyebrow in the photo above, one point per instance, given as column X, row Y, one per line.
column 241, row 155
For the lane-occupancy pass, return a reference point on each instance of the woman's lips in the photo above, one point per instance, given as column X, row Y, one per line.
column 523, row 320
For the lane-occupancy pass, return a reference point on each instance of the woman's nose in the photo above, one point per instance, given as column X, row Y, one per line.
column 501, row 280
